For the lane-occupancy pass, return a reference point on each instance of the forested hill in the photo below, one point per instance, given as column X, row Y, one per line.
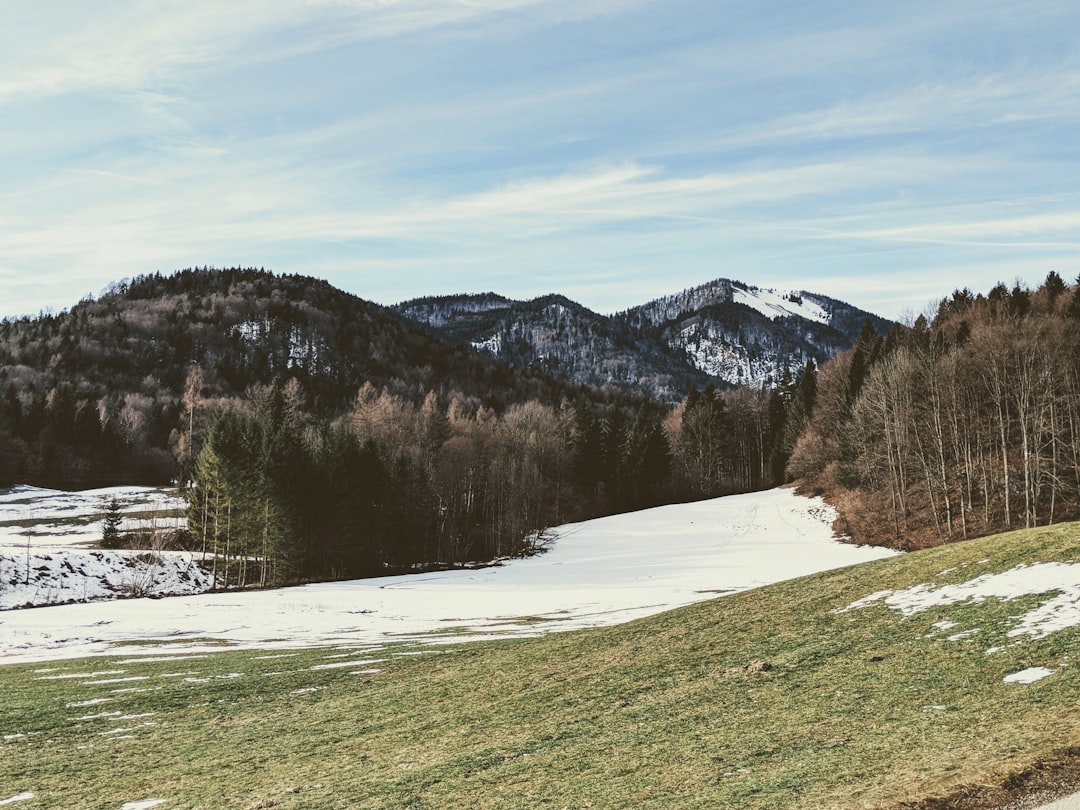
column 725, row 333
column 96, row 393
column 962, row 425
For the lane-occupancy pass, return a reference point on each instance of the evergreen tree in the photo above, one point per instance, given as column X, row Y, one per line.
column 1054, row 286
column 865, row 353
column 1019, row 302
column 1073, row 309
column 801, row 407
column 110, row 529
column 588, row 445
column 647, row 458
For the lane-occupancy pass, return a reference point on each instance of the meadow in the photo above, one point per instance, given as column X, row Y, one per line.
column 917, row 678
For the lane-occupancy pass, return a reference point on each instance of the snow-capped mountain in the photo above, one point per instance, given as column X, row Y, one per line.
column 724, row 332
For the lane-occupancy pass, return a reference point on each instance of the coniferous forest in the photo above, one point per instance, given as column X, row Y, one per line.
column 319, row 436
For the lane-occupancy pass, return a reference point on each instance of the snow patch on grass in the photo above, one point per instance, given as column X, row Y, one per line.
column 128, row 679
column 145, row 804
column 1058, row 613
column 57, row 518
column 99, row 716
column 344, row 664
column 1029, row 675
column 25, row 796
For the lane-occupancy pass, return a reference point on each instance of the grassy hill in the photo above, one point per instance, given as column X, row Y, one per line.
column 775, row 698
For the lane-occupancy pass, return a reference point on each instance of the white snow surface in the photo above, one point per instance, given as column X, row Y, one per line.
column 493, row 344
column 74, row 575
column 600, row 572
column 777, row 303
column 1057, row 613
column 63, row 519
column 1029, row 675
column 45, row 554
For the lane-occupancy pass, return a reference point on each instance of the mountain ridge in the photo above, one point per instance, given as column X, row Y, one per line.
column 724, row 332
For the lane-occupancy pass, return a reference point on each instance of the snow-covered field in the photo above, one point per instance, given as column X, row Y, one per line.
column 47, row 538
column 53, row 519
column 41, row 578
column 600, row 572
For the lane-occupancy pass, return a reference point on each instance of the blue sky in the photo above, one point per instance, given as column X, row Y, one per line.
column 882, row 153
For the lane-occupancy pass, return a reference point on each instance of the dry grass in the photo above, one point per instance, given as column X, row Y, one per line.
column 856, row 710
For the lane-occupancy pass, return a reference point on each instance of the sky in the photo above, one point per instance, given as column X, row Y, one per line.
column 610, row 150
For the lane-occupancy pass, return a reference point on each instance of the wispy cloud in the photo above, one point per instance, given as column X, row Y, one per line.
column 982, row 101
column 1048, row 229
column 409, row 144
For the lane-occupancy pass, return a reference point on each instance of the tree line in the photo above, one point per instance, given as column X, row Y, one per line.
column 959, row 426
column 278, row 494
column 93, row 396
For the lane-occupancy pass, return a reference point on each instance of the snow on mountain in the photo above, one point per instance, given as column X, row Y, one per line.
column 493, row 345
column 721, row 332
column 746, row 335
column 774, row 304
column 711, row 350
column 301, row 348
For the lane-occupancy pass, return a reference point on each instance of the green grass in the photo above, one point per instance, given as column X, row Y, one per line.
column 859, row 709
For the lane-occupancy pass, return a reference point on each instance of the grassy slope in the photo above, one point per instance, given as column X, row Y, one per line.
column 648, row 714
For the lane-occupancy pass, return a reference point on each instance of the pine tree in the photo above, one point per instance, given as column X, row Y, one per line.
column 1073, row 309
column 1054, row 286
column 110, row 530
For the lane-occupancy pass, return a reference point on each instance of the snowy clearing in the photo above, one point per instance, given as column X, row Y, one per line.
column 52, row 518
column 596, row 573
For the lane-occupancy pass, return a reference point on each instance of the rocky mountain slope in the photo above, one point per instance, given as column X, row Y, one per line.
column 724, row 332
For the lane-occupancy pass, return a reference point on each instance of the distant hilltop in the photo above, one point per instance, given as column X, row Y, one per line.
column 724, row 332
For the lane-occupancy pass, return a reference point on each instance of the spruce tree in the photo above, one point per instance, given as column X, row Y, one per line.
column 110, row 530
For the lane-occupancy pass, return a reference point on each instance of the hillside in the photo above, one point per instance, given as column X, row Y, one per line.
column 111, row 390
column 725, row 333
column 958, row 426
column 94, row 395
column 563, row 339
column 941, row 678
column 746, row 335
